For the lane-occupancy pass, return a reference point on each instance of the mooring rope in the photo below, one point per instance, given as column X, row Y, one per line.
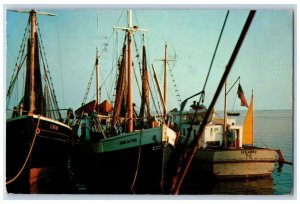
column 138, row 163
column 37, row 131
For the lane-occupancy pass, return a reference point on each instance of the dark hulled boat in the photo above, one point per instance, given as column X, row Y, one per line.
column 37, row 139
column 119, row 152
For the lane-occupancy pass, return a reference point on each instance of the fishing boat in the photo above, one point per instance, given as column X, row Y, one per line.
column 219, row 148
column 226, row 149
column 37, row 137
column 117, row 151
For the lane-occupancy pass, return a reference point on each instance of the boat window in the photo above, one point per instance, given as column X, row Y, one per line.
column 211, row 132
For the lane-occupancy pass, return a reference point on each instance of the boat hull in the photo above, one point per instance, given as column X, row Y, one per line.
column 132, row 163
column 235, row 163
column 51, row 149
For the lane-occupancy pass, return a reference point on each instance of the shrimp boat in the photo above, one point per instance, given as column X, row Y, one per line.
column 37, row 139
column 226, row 149
column 116, row 151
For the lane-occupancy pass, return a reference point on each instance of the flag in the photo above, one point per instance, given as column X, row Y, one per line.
column 242, row 96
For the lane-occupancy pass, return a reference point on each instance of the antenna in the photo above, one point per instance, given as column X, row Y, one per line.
column 98, row 39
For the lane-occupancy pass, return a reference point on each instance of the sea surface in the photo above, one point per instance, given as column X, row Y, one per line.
column 273, row 129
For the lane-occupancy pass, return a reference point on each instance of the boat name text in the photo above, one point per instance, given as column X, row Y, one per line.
column 53, row 127
column 128, row 141
column 248, row 153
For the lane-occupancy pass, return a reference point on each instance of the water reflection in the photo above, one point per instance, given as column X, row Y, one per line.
column 261, row 186
column 210, row 186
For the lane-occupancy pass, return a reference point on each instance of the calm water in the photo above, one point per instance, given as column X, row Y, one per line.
column 273, row 129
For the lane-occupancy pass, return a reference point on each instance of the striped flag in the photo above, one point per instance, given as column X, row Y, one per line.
column 242, row 96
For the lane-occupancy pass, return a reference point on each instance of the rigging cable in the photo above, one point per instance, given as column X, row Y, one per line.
column 139, row 63
column 47, row 72
column 216, row 48
column 175, row 86
column 237, row 80
column 103, row 50
column 18, row 64
column 158, row 112
column 140, row 68
column 114, row 62
column 201, row 98
column 60, row 64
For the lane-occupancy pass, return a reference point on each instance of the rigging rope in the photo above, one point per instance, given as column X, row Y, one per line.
column 139, row 63
column 18, row 64
column 103, row 50
column 37, row 131
column 151, row 94
column 202, row 96
column 138, row 162
column 237, row 80
column 47, row 72
column 175, row 87
column 216, row 48
column 60, row 67
column 140, row 68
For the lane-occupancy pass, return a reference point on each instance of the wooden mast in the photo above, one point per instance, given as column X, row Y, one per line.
column 129, row 73
column 32, row 17
column 130, row 29
column 33, row 99
column 158, row 88
column 165, row 78
column 97, row 72
column 97, row 80
column 165, row 98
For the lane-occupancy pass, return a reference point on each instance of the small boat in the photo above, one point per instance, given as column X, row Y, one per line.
column 115, row 150
column 233, row 113
column 37, row 138
column 226, row 150
column 230, row 154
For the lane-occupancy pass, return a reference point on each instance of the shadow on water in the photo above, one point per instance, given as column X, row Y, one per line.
column 203, row 185
column 54, row 181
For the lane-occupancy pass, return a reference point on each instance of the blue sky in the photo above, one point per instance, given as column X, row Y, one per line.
column 264, row 63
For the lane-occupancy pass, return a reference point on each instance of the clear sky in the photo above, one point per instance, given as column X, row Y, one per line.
column 264, row 63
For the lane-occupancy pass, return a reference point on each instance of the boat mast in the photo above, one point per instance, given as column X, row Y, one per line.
column 159, row 90
column 225, row 114
column 97, row 70
column 32, row 17
column 129, row 73
column 165, row 60
column 165, row 78
column 130, row 29
column 97, row 80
